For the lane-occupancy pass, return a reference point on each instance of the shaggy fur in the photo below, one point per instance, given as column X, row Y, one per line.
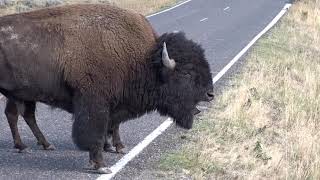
column 104, row 65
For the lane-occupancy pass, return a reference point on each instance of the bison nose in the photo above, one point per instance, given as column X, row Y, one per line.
column 210, row 95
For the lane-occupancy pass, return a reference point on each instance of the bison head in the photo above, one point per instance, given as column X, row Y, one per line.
column 184, row 76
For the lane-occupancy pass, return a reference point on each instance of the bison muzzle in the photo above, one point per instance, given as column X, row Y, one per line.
column 103, row 64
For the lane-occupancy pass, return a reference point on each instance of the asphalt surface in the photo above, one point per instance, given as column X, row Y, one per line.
column 223, row 27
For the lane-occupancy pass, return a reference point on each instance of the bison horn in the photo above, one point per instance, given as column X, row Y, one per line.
column 169, row 63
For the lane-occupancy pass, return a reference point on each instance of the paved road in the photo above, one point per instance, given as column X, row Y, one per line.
column 223, row 27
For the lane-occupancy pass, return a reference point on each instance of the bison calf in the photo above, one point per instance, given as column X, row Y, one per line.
column 103, row 64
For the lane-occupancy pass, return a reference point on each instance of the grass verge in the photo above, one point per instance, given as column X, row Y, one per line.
column 266, row 124
column 142, row 6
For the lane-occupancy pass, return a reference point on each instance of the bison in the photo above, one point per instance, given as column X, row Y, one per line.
column 103, row 64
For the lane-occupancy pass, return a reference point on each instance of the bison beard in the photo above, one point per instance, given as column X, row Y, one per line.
column 103, row 64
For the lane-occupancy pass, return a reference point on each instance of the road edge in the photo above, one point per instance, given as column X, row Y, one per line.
column 169, row 9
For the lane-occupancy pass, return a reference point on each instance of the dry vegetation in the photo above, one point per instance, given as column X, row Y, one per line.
column 266, row 124
column 141, row 6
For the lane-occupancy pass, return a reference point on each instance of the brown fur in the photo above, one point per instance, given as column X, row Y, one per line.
column 104, row 65
column 106, row 55
column 84, row 47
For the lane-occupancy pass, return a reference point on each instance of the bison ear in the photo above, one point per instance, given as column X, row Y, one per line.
column 167, row 62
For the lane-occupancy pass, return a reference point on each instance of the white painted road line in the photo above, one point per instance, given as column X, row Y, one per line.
column 204, row 19
column 226, row 8
column 169, row 8
column 136, row 150
column 143, row 144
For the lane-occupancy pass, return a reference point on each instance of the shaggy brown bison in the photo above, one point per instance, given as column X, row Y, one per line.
column 104, row 65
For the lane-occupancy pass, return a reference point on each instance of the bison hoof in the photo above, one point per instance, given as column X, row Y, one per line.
column 121, row 151
column 100, row 170
column 25, row 150
column 20, row 147
column 109, row 150
column 50, row 148
column 104, row 170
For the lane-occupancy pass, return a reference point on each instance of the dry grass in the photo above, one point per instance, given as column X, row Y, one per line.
column 142, row 6
column 267, row 124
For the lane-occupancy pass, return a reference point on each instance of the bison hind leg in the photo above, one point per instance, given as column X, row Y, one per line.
column 28, row 114
column 112, row 139
column 107, row 144
column 117, row 140
column 11, row 112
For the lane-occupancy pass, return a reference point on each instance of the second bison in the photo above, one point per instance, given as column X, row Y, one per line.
column 103, row 64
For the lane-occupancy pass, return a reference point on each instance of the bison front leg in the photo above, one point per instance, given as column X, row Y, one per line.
column 89, row 129
column 11, row 112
